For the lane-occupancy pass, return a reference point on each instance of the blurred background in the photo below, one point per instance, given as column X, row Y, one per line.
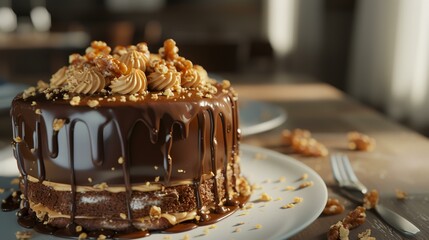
column 375, row 50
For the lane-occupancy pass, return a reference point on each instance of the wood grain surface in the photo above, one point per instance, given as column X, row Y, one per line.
column 400, row 159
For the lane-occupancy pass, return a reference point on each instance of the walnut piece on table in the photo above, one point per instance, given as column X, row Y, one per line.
column 360, row 142
column 333, row 207
column 370, row 199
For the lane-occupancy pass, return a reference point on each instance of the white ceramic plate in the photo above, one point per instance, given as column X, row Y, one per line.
column 265, row 220
column 257, row 117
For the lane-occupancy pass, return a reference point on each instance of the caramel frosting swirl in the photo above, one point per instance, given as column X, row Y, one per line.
column 86, row 81
column 191, row 78
column 59, row 78
column 135, row 59
column 134, row 82
column 163, row 78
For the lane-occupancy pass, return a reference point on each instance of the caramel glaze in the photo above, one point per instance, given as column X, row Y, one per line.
column 177, row 139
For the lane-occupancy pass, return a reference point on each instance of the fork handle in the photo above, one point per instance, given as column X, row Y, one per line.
column 397, row 221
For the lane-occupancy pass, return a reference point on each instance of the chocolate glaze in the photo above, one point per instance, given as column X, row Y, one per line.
column 177, row 140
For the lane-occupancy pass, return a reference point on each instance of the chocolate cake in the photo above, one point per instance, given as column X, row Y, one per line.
column 127, row 141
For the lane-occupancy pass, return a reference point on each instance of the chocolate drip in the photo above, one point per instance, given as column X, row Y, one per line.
column 70, row 130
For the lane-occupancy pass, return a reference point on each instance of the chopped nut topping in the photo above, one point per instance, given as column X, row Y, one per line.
column 226, row 84
column 14, row 194
column 132, row 98
column 301, row 142
column 123, row 215
column 155, row 212
column 58, row 124
column 248, row 206
column 78, row 228
column 186, row 237
column 75, row 101
column 31, row 91
column 38, row 111
column 90, row 180
column 83, row 236
column 304, row 176
column 1, row 190
column 121, row 160
column 93, row 103
column 33, row 103
column 157, row 179
column 333, row 207
column 289, row 188
column 213, row 226
column 17, row 139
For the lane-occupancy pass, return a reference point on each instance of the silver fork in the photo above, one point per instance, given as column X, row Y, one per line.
column 354, row 189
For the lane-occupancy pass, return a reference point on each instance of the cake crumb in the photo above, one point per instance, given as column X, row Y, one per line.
column 93, row 103
column 157, row 179
column 31, row 91
column 258, row 226
column 166, row 238
column 306, row 184
column 289, row 188
column 38, row 111
column 289, row 205
column 297, row 200
column 121, row 160
column 33, row 103
column 123, row 99
column 248, row 206
column 282, row 179
column 90, row 180
column 304, row 176
column 236, row 230
column 155, row 167
column 147, row 183
column 82, row 236
column 113, row 168
column 213, row 226
column 75, row 101
column 400, row 194
column 123, row 215
column 14, row 194
column 265, row 197
column 278, row 199
column 256, row 187
column 154, row 96
column 66, row 96
column 186, row 237
column 181, row 171
column 23, row 235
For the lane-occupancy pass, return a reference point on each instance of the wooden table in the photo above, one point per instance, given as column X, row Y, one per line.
column 399, row 161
